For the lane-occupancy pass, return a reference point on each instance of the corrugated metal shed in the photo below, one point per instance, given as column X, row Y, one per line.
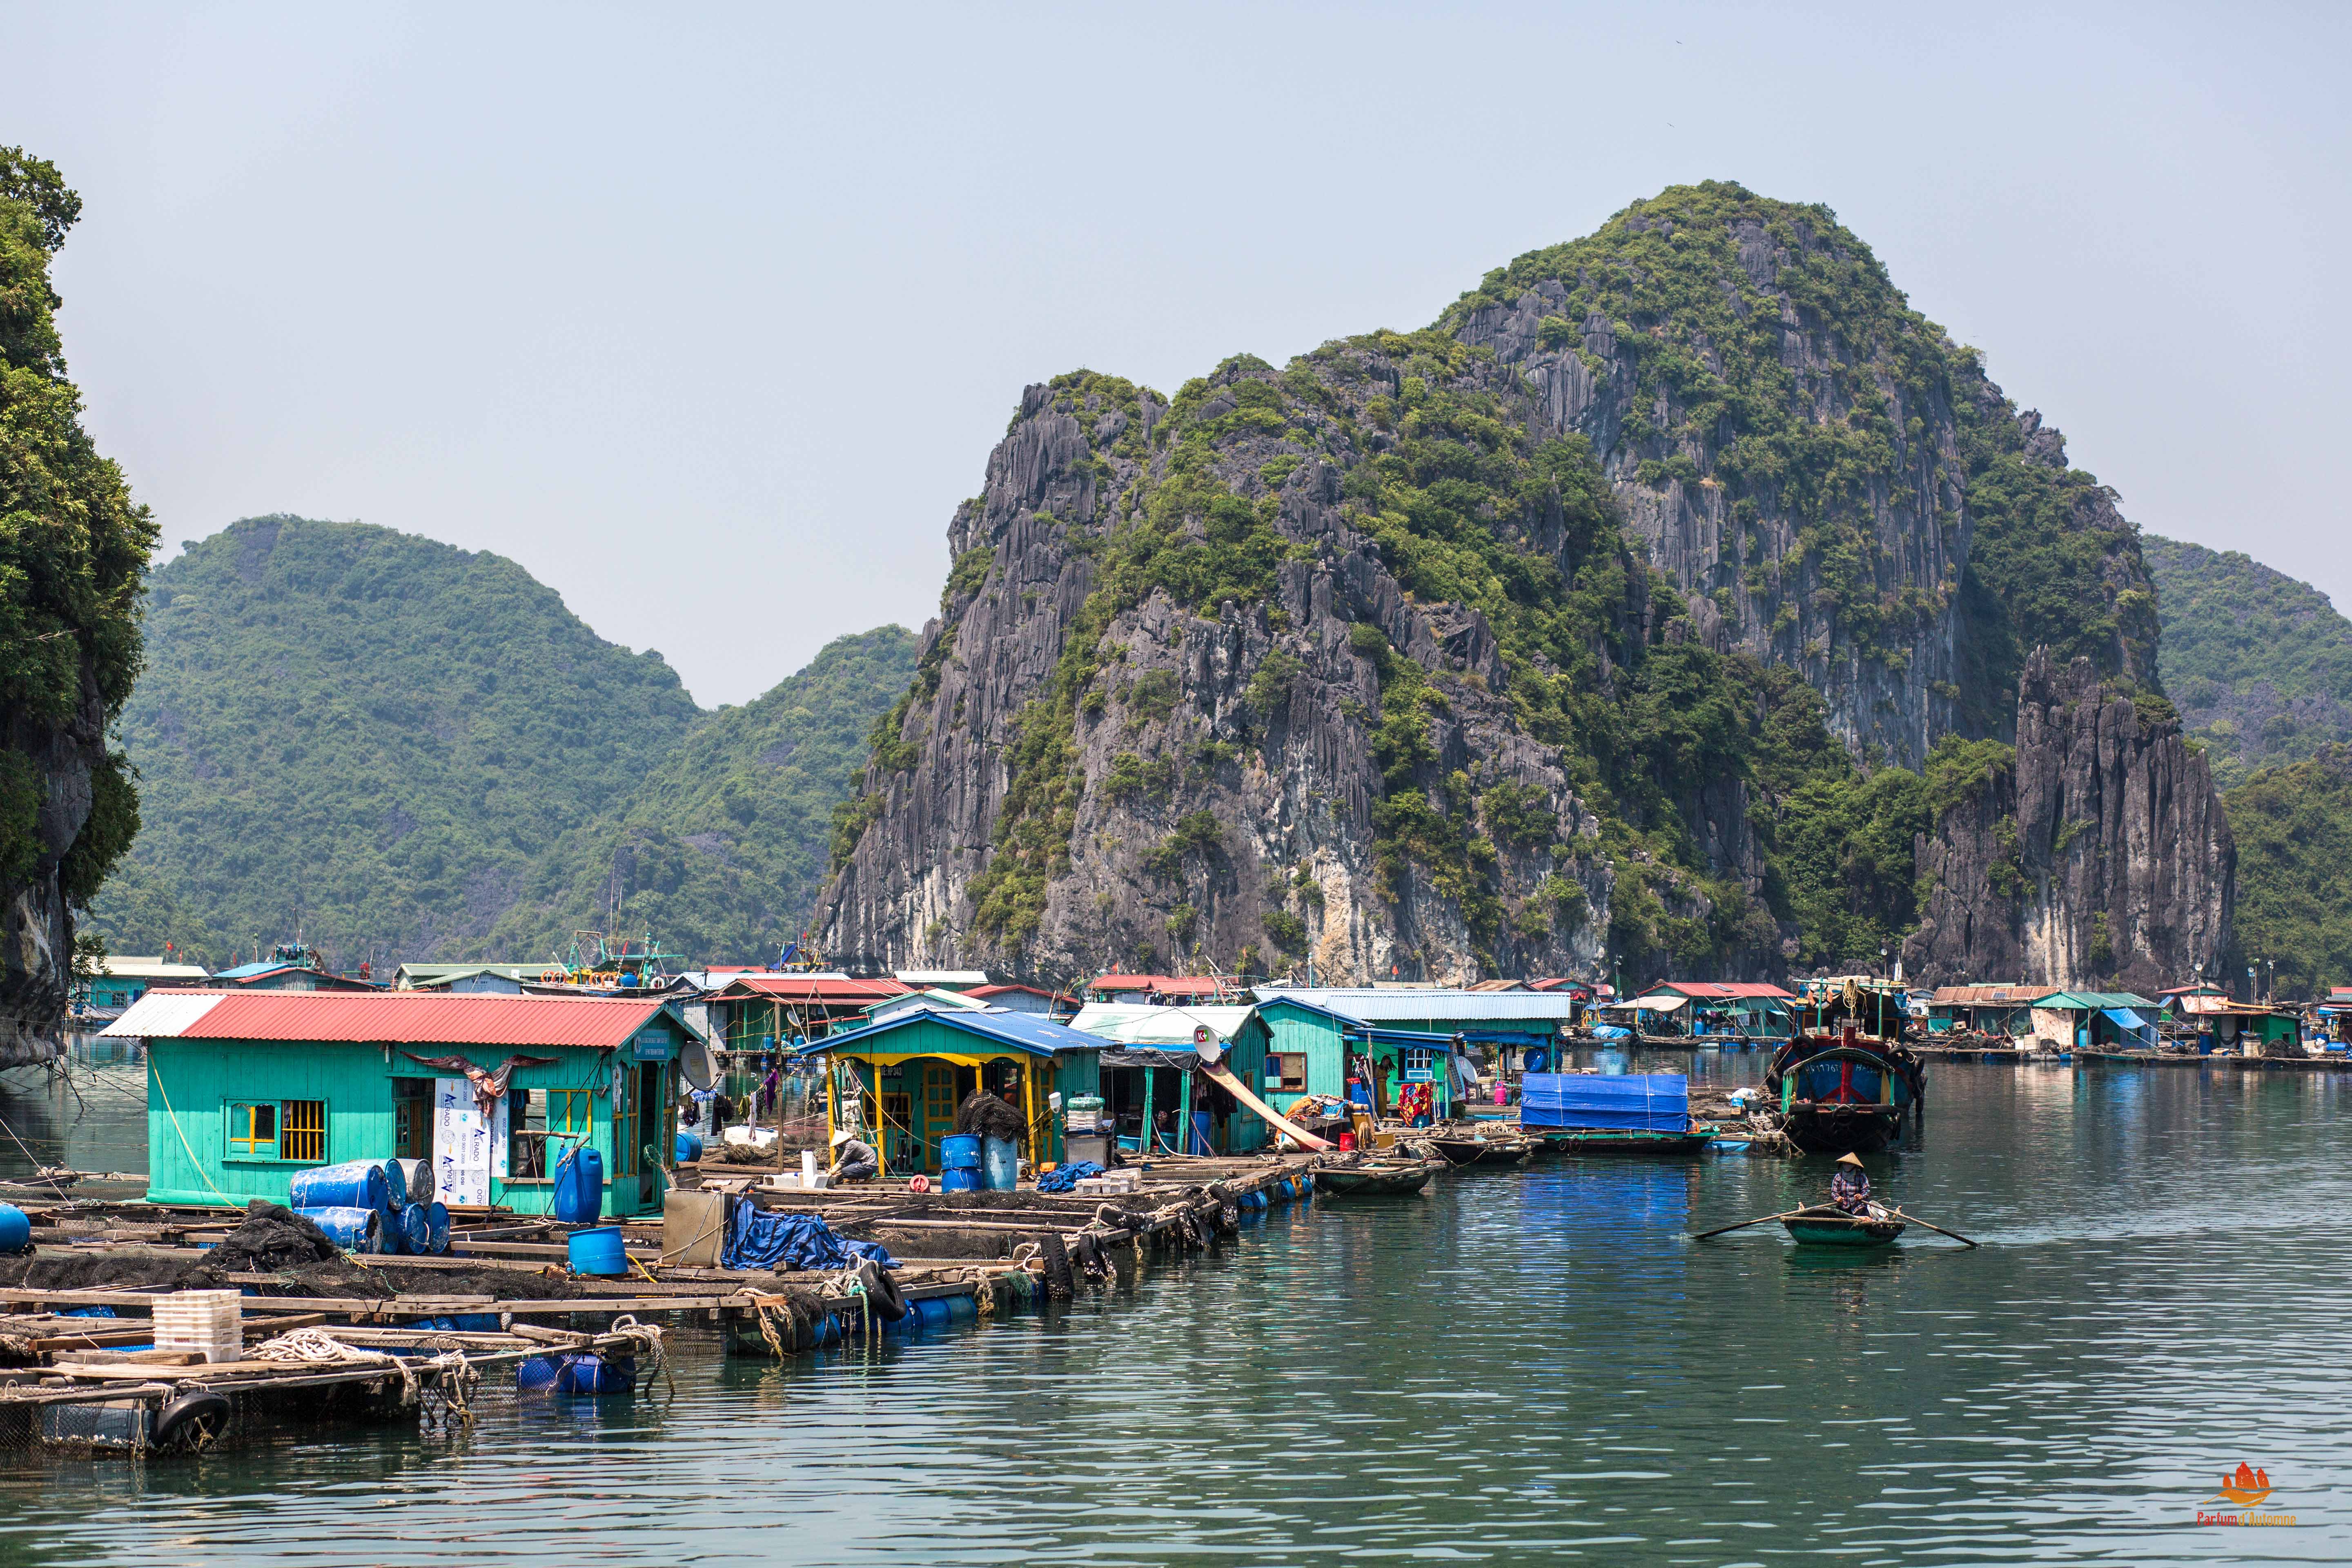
column 1990, row 996
column 1027, row 1031
column 400, row 1017
column 1137, row 1024
column 1724, row 990
column 1385, row 1006
column 810, row 988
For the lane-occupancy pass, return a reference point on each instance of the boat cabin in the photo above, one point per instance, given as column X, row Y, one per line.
column 244, row 1091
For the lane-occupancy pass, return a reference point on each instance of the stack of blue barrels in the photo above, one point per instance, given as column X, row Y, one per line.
column 958, row 1163
column 371, row 1205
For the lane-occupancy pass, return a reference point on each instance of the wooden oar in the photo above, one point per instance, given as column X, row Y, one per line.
column 1743, row 1225
column 1938, row 1230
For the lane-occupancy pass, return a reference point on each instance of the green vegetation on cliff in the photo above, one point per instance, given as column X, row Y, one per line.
column 2293, row 828
column 368, row 736
column 73, row 550
column 721, row 849
column 2260, row 664
column 1676, row 280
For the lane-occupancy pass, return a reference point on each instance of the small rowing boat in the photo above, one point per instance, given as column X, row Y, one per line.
column 1478, row 1150
column 1823, row 1226
column 1373, row 1181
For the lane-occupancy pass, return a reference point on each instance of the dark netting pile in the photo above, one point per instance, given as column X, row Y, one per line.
column 989, row 1115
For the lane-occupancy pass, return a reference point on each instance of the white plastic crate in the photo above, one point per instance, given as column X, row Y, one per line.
column 211, row 1322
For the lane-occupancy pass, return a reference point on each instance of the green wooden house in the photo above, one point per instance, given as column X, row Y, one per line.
column 1309, row 1045
column 898, row 1082
column 244, row 1091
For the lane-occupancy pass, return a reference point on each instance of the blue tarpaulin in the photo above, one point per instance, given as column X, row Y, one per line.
column 1640, row 1102
column 1066, row 1178
column 763, row 1238
column 2125, row 1019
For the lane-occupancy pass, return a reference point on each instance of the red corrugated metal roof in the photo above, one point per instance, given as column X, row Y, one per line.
column 1722, row 989
column 420, row 1017
column 981, row 991
column 805, row 988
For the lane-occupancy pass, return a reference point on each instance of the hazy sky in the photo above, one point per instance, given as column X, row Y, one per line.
column 709, row 316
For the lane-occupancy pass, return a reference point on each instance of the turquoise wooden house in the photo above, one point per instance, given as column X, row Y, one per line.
column 898, row 1082
column 1309, row 1048
column 244, row 1091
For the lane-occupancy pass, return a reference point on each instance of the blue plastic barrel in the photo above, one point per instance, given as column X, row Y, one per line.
column 586, row 1374
column 960, row 1309
column 932, row 1314
column 16, row 1229
column 437, row 1227
column 958, row 1181
column 476, row 1322
column 689, row 1149
column 959, row 1152
column 396, row 1180
column 579, row 1185
column 538, row 1372
column 356, row 1185
column 416, row 1229
column 1000, row 1158
column 599, row 1251
column 352, row 1228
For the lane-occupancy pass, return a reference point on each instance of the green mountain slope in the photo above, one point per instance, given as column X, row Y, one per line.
column 2293, row 827
column 366, row 736
column 2259, row 664
column 720, row 850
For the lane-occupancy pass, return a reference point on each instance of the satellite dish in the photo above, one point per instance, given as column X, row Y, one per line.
column 694, row 1062
column 1200, row 1033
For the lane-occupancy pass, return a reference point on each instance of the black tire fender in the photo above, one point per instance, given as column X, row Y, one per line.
column 191, row 1420
column 882, row 1291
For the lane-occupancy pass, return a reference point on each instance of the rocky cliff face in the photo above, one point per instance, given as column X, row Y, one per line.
column 2099, row 858
column 36, row 928
column 1218, row 788
column 1447, row 653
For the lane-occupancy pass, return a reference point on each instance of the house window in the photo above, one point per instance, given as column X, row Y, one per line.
column 1418, row 1060
column 1290, row 1067
column 537, row 1118
column 303, row 1130
column 291, row 1129
column 253, row 1129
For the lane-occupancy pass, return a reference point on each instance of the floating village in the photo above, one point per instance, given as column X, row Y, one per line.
column 371, row 1200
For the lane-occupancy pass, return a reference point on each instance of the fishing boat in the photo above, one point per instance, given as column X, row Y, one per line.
column 1373, row 1181
column 1846, row 1082
column 1823, row 1226
column 1477, row 1149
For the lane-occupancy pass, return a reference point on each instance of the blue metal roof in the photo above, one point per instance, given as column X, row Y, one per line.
column 267, row 966
column 1354, row 1026
column 1023, row 1031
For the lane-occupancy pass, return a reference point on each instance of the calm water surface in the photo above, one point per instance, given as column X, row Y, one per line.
column 1522, row 1366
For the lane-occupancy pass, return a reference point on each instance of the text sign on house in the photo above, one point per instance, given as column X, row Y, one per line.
column 650, row 1045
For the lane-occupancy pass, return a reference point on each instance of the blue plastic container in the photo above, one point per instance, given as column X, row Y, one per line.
column 416, row 1229
column 959, row 1152
column 960, row 1309
column 1001, row 1162
column 932, row 1314
column 476, row 1322
column 395, row 1180
column 357, row 1185
column 958, row 1181
column 599, row 1251
column 579, row 1185
column 437, row 1227
column 689, row 1149
column 582, row 1374
column 348, row 1227
column 16, row 1228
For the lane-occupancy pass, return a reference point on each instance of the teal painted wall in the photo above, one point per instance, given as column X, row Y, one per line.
column 190, row 1084
column 1292, row 1030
